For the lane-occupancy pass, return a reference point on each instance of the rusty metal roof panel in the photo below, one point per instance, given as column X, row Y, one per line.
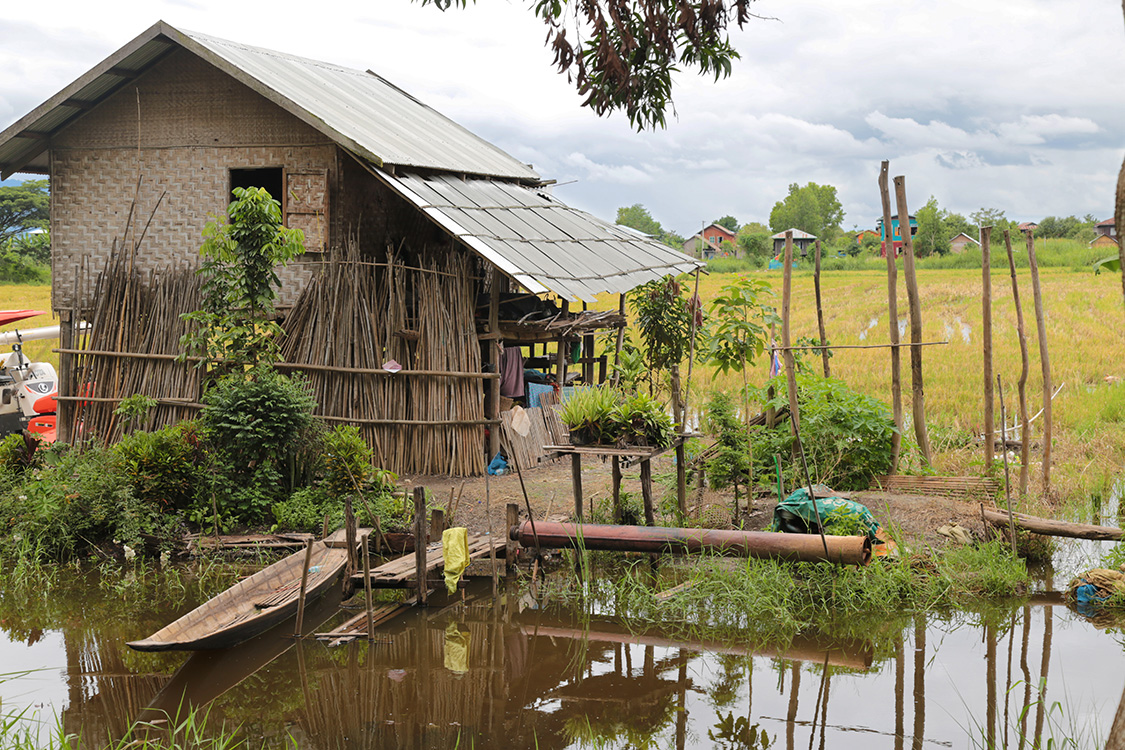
column 537, row 239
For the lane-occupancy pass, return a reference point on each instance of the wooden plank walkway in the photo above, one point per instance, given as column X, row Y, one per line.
column 958, row 487
column 399, row 573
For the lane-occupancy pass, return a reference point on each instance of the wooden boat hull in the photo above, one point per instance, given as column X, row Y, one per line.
column 252, row 605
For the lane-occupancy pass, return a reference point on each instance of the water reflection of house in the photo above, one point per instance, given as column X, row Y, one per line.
column 411, row 224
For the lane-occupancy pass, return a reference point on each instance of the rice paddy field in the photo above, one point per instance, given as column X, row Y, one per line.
column 1085, row 337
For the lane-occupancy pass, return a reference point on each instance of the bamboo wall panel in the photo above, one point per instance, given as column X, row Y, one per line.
column 359, row 315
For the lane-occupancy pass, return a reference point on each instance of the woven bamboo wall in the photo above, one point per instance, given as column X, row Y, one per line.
column 178, row 129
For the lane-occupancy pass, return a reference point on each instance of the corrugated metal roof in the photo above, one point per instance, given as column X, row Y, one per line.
column 798, row 234
column 535, row 238
column 360, row 110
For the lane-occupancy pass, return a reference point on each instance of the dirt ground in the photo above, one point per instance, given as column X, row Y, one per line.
column 551, row 496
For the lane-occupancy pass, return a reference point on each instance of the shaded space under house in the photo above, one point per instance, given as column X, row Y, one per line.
column 424, row 242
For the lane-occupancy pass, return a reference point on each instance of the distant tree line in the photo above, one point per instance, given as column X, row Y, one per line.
column 25, row 242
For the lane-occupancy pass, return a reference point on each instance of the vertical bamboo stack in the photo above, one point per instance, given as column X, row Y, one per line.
column 139, row 314
column 360, row 315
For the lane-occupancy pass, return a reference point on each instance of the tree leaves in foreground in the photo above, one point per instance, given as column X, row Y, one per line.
column 621, row 54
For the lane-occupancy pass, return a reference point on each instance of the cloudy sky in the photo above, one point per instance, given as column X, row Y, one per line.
column 1016, row 105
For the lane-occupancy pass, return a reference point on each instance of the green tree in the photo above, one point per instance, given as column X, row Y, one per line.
column 932, row 237
column 729, row 222
column 621, row 54
column 235, row 324
column 992, row 217
column 754, row 240
column 637, row 217
column 956, row 224
column 813, row 208
column 23, row 207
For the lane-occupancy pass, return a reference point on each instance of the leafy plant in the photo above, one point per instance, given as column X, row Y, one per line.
column 135, row 409
column 589, row 415
column 731, row 460
column 19, row 452
column 639, row 419
column 846, row 436
column 253, row 422
column 165, row 467
column 240, row 258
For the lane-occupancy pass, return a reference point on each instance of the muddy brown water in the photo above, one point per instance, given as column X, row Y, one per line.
column 515, row 674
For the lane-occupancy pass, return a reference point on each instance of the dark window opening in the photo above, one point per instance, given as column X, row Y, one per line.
column 269, row 178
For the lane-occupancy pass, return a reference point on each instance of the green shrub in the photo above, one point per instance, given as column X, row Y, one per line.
column 304, row 510
column 165, row 467
column 846, row 436
column 730, row 461
column 347, row 460
column 253, row 422
column 80, row 502
column 19, row 452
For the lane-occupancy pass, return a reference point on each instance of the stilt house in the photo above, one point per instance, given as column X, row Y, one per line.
column 427, row 247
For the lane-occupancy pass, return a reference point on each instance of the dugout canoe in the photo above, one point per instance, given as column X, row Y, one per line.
column 251, row 606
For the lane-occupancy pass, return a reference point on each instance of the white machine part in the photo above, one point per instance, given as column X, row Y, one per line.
column 27, row 389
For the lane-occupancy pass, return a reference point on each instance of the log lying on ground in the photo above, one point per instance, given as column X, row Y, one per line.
column 842, row 550
column 1051, row 527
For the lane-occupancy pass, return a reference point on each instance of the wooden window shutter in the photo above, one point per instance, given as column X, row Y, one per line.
column 306, row 206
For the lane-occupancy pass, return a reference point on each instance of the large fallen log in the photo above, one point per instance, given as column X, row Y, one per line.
column 842, row 550
column 1051, row 527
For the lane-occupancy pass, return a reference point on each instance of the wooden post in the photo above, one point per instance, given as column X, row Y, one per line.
column 615, row 463
column 493, row 346
column 512, row 519
column 1025, row 426
column 66, row 376
column 304, row 589
column 786, row 352
column 820, row 315
column 646, row 492
column 588, row 359
column 437, row 523
column 560, row 355
column 367, row 587
column 620, row 343
column 576, row 480
column 380, row 540
column 892, row 311
column 681, row 477
column 349, row 536
column 986, row 344
column 491, row 537
column 420, row 543
column 1007, row 479
column 918, row 391
column 1045, row 361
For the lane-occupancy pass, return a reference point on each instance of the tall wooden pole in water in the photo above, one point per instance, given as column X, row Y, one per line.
column 918, row 396
column 892, row 310
column 1044, row 359
column 1025, row 426
column 420, row 543
column 986, row 344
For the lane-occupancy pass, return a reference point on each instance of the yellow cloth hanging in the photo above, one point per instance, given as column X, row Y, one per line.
column 455, row 554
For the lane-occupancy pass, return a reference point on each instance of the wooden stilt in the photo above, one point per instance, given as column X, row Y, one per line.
column 304, row 590
column 437, row 523
column 646, row 492
column 787, row 353
column 368, row 602
column 615, row 464
column 513, row 519
column 420, row 543
column 576, row 480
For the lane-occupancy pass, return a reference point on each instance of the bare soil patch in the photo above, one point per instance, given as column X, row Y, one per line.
column 916, row 517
